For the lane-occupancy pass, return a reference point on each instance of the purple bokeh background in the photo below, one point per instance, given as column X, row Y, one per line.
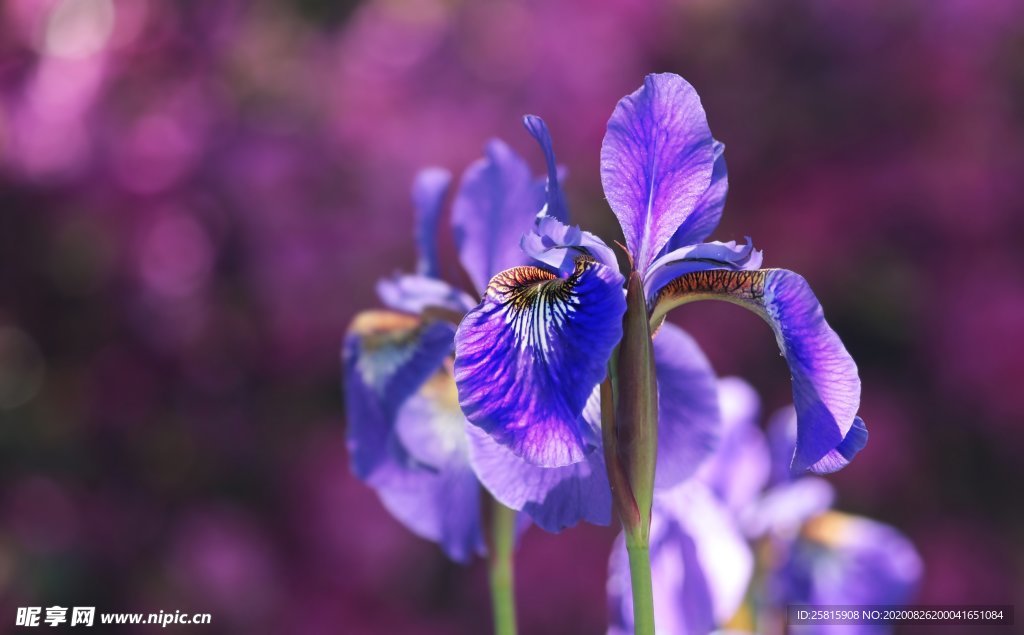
column 196, row 198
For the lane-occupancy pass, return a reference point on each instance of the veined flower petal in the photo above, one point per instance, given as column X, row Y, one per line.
column 555, row 206
column 428, row 192
column 553, row 497
column 706, row 214
column 497, row 201
column 528, row 357
column 826, row 386
column 656, row 162
column 559, row 245
column 387, row 357
column 699, row 257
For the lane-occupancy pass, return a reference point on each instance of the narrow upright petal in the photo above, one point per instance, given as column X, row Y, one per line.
column 528, row 357
column 496, row 203
column 826, row 386
column 708, row 211
column 428, row 192
column 555, row 199
column 387, row 357
column 656, row 162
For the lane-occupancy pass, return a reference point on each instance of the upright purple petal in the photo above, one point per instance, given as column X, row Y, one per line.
column 688, row 413
column 496, row 203
column 700, row 565
column 529, row 356
column 428, row 192
column 708, row 211
column 386, row 357
column 826, row 386
column 555, row 199
column 656, row 162
column 559, row 245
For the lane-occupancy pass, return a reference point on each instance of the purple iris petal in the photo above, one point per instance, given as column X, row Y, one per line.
column 656, row 162
column 558, row 245
column 387, row 357
column 785, row 507
column 700, row 565
column 497, row 201
column 553, row 497
column 415, row 293
column 826, row 386
column 739, row 469
column 688, row 413
column 528, row 357
column 556, row 206
column 428, row 191
column 842, row 559
column 708, row 211
column 442, row 506
column 700, row 257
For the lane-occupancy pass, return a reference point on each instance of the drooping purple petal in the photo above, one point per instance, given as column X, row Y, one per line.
column 432, row 489
column 740, row 467
column 826, row 386
column 414, row 294
column 700, row 565
column 496, row 203
column 700, row 257
column 553, row 497
column 688, row 413
column 559, row 245
column 528, row 357
column 387, row 357
column 782, row 438
column 656, row 162
column 708, row 211
column 555, row 198
column 428, row 192
column 442, row 506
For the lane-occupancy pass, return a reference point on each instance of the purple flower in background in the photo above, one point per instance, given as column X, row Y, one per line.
column 530, row 357
column 703, row 533
column 407, row 436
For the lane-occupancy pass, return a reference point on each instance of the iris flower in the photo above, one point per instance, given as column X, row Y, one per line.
column 557, row 365
column 703, row 533
column 530, row 356
column 406, row 433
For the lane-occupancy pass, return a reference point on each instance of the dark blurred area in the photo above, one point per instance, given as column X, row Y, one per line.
column 196, row 198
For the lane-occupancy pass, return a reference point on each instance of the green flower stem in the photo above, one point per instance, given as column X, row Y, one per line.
column 640, row 581
column 502, row 544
